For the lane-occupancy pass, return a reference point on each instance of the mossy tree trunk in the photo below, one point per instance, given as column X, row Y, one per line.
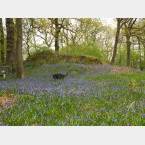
column 57, row 30
column 116, row 41
column 128, row 34
column 2, row 48
column 10, row 59
column 19, row 57
column 128, row 45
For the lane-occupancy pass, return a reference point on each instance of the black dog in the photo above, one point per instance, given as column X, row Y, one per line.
column 59, row 76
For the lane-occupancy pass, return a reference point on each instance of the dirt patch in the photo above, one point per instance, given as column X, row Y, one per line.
column 7, row 99
column 117, row 69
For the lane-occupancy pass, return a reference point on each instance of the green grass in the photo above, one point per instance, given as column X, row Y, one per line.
column 73, row 111
column 130, row 76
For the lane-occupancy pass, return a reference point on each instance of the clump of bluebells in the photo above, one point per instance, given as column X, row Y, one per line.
column 89, row 95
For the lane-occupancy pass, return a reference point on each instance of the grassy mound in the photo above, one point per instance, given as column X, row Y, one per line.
column 48, row 57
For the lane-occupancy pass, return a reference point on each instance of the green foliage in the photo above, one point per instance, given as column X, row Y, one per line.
column 40, row 49
column 39, row 57
column 91, row 49
column 39, row 62
column 121, row 56
column 135, row 59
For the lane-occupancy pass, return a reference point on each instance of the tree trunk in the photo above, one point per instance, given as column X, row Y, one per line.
column 10, row 60
column 19, row 58
column 33, row 32
column 27, row 43
column 128, row 43
column 2, row 49
column 67, row 36
column 116, row 42
column 128, row 32
column 56, row 35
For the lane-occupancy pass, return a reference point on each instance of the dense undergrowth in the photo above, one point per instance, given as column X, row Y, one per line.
column 89, row 95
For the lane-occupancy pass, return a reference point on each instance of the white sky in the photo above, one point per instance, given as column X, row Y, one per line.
column 109, row 21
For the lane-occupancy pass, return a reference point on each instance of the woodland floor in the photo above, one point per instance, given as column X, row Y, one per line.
column 92, row 95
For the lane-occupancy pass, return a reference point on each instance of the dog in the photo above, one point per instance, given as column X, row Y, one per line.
column 59, row 76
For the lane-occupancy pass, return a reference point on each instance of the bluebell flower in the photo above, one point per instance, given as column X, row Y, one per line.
column 115, row 120
column 103, row 124
column 134, row 111
column 5, row 106
column 103, row 109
